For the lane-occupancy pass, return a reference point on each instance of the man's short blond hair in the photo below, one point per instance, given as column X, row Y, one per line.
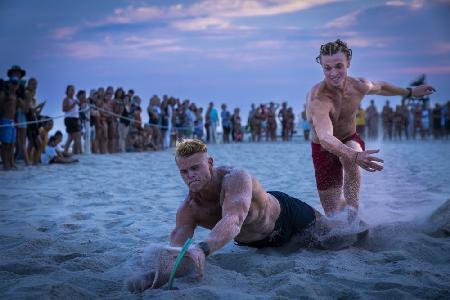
column 188, row 147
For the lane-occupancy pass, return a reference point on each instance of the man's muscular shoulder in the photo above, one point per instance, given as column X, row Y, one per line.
column 233, row 175
column 319, row 100
column 362, row 85
column 319, row 93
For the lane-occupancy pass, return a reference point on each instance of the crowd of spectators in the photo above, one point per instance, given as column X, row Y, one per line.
column 405, row 121
column 111, row 120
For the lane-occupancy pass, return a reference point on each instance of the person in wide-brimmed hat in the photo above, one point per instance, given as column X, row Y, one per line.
column 16, row 69
column 9, row 99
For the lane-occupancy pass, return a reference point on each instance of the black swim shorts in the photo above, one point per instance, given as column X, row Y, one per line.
column 295, row 216
column 72, row 125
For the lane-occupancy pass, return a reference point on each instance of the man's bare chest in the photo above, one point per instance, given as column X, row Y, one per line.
column 345, row 107
column 207, row 213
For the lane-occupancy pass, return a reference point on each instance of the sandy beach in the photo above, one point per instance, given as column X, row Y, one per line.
column 79, row 231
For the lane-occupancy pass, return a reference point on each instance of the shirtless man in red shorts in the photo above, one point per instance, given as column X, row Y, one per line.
column 337, row 150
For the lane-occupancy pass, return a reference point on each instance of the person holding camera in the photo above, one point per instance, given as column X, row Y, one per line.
column 33, row 115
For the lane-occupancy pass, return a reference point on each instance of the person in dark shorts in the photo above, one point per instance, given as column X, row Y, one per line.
column 337, row 151
column 72, row 121
column 295, row 217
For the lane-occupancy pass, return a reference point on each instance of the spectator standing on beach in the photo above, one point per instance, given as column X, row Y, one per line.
column 111, row 121
column 257, row 126
column 93, row 116
column 8, row 106
column 179, row 121
column 387, row 117
column 173, row 133
column 283, row 117
column 33, row 115
column 361, row 121
column 22, row 109
column 102, row 124
column 250, row 121
column 130, row 94
column 191, row 110
column 238, row 132
column 425, row 121
column 437, row 111
column 405, row 119
column 372, row 120
column 83, row 104
column 119, row 102
column 214, row 120
column 272, row 121
column 417, row 120
column 123, row 109
column 72, row 121
column 198, row 124
column 166, row 122
column 398, row 120
column 446, row 119
column 306, row 125
column 208, row 124
column 155, row 119
column 290, row 123
column 136, row 111
column 262, row 115
column 226, row 124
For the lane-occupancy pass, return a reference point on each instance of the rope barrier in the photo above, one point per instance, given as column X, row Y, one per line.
column 37, row 121
column 133, row 120
column 88, row 108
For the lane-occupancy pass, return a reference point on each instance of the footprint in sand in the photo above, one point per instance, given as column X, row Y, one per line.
column 79, row 216
column 71, row 226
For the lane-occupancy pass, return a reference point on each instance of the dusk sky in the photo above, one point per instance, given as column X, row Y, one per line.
column 231, row 51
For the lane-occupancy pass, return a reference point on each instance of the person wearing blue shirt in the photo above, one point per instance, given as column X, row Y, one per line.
column 226, row 123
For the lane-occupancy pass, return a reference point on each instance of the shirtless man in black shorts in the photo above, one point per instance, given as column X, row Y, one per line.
column 235, row 207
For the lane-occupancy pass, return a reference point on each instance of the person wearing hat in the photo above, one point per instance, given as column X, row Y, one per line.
column 9, row 97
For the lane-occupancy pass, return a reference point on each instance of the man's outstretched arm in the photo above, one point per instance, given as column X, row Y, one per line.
column 237, row 193
column 320, row 116
column 386, row 89
column 185, row 226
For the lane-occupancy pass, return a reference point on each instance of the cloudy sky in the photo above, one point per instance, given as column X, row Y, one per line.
column 232, row 51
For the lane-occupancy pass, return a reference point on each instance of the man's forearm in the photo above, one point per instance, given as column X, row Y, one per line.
column 224, row 231
column 335, row 146
column 387, row 89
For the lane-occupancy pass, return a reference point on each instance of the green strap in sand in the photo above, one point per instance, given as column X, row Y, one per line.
column 178, row 261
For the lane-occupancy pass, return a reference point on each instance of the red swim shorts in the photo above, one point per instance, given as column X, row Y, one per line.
column 327, row 166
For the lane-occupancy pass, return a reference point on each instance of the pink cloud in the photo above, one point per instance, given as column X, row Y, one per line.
column 65, row 32
column 207, row 13
column 344, row 21
column 441, row 48
column 201, row 24
column 119, row 47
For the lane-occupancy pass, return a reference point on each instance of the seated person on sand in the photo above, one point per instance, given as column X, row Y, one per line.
column 234, row 206
column 59, row 149
column 51, row 155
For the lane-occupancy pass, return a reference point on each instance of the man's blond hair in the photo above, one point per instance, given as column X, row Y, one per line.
column 188, row 147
